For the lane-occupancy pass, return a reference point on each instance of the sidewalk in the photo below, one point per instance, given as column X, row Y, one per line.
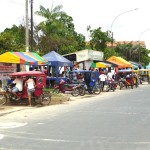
column 6, row 109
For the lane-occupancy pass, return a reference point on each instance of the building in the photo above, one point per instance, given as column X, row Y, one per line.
column 134, row 43
column 84, row 58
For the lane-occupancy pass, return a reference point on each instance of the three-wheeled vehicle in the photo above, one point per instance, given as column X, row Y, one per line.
column 144, row 75
column 88, row 79
column 39, row 96
column 127, row 77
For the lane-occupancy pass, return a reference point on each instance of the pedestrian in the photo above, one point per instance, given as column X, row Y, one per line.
column 30, row 84
column 109, row 76
column 102, row 80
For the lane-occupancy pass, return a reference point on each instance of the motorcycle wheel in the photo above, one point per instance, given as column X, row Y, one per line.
column 97, row 90
column 75, row 92
column 107, row 89
column 121, row 85
column 82, row 91
column 90, row 91
column 3, row 99
column 113, row 89
column 45, row 98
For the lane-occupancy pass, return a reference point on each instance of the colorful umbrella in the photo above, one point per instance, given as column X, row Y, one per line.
column 98, row 65
column 27, row 58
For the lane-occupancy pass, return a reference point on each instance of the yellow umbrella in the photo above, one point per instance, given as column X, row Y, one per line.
column 98, row 65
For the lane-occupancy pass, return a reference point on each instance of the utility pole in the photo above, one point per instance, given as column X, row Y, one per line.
column 31, row 25
column 27, row 27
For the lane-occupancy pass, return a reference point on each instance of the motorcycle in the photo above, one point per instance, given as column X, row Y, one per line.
column 112, row 85
column 122, row 83
column 66, row 88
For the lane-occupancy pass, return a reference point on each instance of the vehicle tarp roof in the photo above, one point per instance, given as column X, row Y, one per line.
column 27, row 73
column 122, row 63
column 27, row 58
column 55, row 59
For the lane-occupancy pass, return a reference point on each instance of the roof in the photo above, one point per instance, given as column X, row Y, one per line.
column 27, row 58
column 115, row 43
column 120, row 61
column 54, row 59
column 26, row 73
column 86, row 54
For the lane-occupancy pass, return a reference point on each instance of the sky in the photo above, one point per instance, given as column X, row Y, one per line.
column 118, row 16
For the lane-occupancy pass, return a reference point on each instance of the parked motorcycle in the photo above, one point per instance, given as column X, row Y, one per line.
column 67, row 88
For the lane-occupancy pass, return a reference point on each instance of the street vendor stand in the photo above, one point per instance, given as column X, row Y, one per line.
column 16, row 61
column 56, row 63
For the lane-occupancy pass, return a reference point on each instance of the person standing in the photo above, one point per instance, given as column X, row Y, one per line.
column 109, row 76
column 30, row 84
column 102, row 79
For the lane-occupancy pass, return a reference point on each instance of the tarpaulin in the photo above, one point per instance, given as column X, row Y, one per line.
column 100, row 65
column 27, row 58
column 55, row 59
column 122, row 63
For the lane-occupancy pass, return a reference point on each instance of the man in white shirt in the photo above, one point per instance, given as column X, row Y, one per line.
column 18, row 87
column 109, row 76
column 102, row 79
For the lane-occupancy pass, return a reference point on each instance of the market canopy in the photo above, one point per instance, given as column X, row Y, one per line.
column 136, row 65
column 122, row 63
column 26, row 58
column 55, row 59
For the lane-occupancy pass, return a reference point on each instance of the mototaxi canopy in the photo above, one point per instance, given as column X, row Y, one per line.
column 26, row 58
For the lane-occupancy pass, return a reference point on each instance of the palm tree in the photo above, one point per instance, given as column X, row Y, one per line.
column 52, row 24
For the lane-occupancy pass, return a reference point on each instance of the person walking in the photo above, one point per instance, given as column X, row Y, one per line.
column 30, row 84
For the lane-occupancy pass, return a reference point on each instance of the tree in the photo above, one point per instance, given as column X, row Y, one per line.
column 57, row 32
column 99, row 39
column 12, row 39
column 134, row 53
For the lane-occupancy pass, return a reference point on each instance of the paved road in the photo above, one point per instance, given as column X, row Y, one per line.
column 111, row 121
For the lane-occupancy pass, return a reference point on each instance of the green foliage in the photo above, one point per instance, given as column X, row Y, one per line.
column 58, row 32
column 12, row 39
column 99, row 39
column 108, row 52
column 134, row 53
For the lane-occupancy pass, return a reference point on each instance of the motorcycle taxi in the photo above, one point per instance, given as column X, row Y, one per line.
column 89, row 81
column 127, row 78
column 39, row 96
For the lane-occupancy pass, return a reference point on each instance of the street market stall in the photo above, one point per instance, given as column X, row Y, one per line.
column 15, row 61
column 26, row 58
column 122, row 63
column 56, row 65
